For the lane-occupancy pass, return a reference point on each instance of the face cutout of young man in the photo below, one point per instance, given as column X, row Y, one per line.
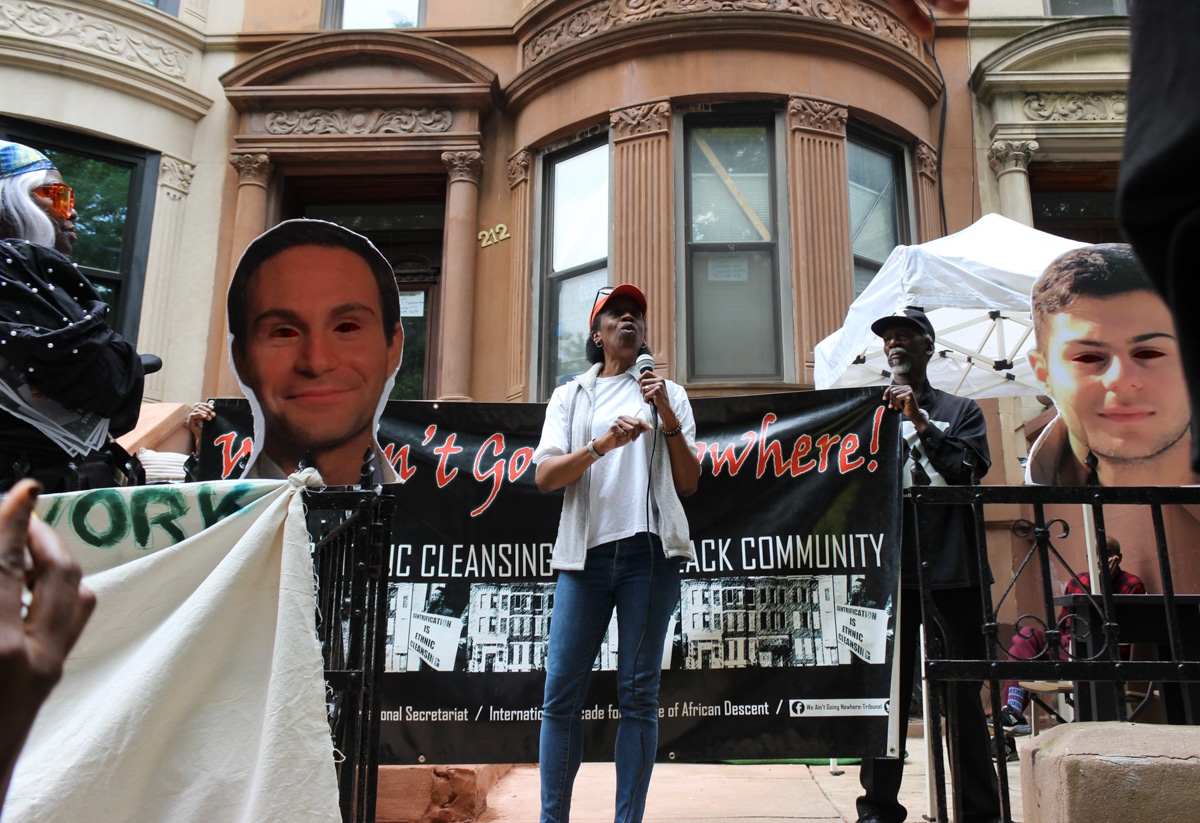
column 1108, row 355
column 314, row 347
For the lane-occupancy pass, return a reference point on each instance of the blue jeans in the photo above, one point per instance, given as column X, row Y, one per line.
column 633, row 575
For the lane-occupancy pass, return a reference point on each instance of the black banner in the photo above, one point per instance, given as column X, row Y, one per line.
column 782, row 643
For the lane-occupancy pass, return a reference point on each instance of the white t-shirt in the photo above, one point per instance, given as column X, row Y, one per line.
column 619, row 484
column 620, row 480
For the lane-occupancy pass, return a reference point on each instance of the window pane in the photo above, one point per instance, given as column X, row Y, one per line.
column 874, row 227
column 573, row 304
column 169, row 6
column 733, row 319
column 730, row 184
column 864, row 273
column 414, row 317
column 102, row 191
column 1074, row 205
column 372, row 220
column 580, row 209
column 380, row 14
column 1088, row 7
column 875, row 208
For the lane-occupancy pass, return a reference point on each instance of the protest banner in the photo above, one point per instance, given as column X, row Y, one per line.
column 771, row 654
column 201, row 659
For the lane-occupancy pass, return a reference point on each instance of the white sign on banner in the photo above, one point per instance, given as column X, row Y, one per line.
column 434, row 639
column 838, row 707
column 862, row 631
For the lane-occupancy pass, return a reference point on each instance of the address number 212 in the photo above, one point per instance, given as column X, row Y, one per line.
column 489, row 236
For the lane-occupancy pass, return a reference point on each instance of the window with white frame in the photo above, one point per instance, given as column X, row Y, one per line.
column 732, row 247
column 878, row 202
column 374, row 14
column 575, row 244
column 169, row 6
column 1081, row 8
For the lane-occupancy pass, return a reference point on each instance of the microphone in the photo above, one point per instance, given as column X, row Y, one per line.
column 645, row 363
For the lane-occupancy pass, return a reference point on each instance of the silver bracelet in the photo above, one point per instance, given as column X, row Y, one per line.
column 591, row 447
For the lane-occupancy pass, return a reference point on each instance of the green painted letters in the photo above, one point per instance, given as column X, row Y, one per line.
column 213, row 511
column 118, row 518
column 140, row 502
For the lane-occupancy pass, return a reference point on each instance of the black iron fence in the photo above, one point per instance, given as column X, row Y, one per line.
column 350, row 529
column 1096, row 624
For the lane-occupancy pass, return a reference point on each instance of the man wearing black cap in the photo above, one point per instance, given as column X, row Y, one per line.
column 946, row 441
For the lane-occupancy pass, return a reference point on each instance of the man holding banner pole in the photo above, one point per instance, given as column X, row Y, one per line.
column 946, row 444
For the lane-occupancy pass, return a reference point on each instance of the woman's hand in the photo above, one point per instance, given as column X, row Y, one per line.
column 654, row 390
column 685, row 468
column 623, row 431
column 563, row 469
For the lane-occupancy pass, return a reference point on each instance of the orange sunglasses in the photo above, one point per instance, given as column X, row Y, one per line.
column 61, row 197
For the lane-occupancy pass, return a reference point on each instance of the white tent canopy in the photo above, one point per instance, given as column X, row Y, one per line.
column 975, row 286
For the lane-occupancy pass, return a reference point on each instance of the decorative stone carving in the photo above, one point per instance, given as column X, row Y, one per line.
column 641, row 120
column 927, row 160
column 1075, row 106
column 817, row 115
column 1011, row 155
column 252, row 168
column 518, row 167
column 604, row 15
column 95, row 35
column 463, row 165
column 402, row 120
column 175, row 174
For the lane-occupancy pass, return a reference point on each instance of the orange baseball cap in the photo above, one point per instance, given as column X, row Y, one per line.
column 624, row 290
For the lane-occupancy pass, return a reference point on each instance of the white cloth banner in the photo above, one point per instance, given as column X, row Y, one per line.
column 196, row 692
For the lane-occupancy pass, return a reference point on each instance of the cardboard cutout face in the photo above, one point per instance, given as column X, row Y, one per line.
column 1112, row 366
column 313, row 355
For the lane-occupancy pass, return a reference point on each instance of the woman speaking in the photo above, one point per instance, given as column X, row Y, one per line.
column 621, row 440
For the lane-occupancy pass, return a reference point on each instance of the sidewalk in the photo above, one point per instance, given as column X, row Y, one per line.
column 709, row 792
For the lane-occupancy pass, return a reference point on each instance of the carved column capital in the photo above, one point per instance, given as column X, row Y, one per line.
column 463, row 165
column 927, row 160
column 1011, row 155
column 638, row 121
column 252, row 169
column 518, row 167
column 822, row 116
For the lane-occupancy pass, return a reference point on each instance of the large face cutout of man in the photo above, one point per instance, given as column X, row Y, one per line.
column 1108, row 354
column 317, row 349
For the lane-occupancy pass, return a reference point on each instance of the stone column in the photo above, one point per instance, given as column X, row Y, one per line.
column 170, row 207
column 458, row 274
column 929, row 204
column 249, row 221
column 820, row 206
column 1009, row 160
column 519, row 298
column 644, row 219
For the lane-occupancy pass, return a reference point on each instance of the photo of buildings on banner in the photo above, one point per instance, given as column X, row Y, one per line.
column 729, row 622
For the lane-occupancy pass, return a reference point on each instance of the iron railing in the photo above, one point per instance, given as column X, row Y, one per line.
column 351, row 530
column 1098, row 625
